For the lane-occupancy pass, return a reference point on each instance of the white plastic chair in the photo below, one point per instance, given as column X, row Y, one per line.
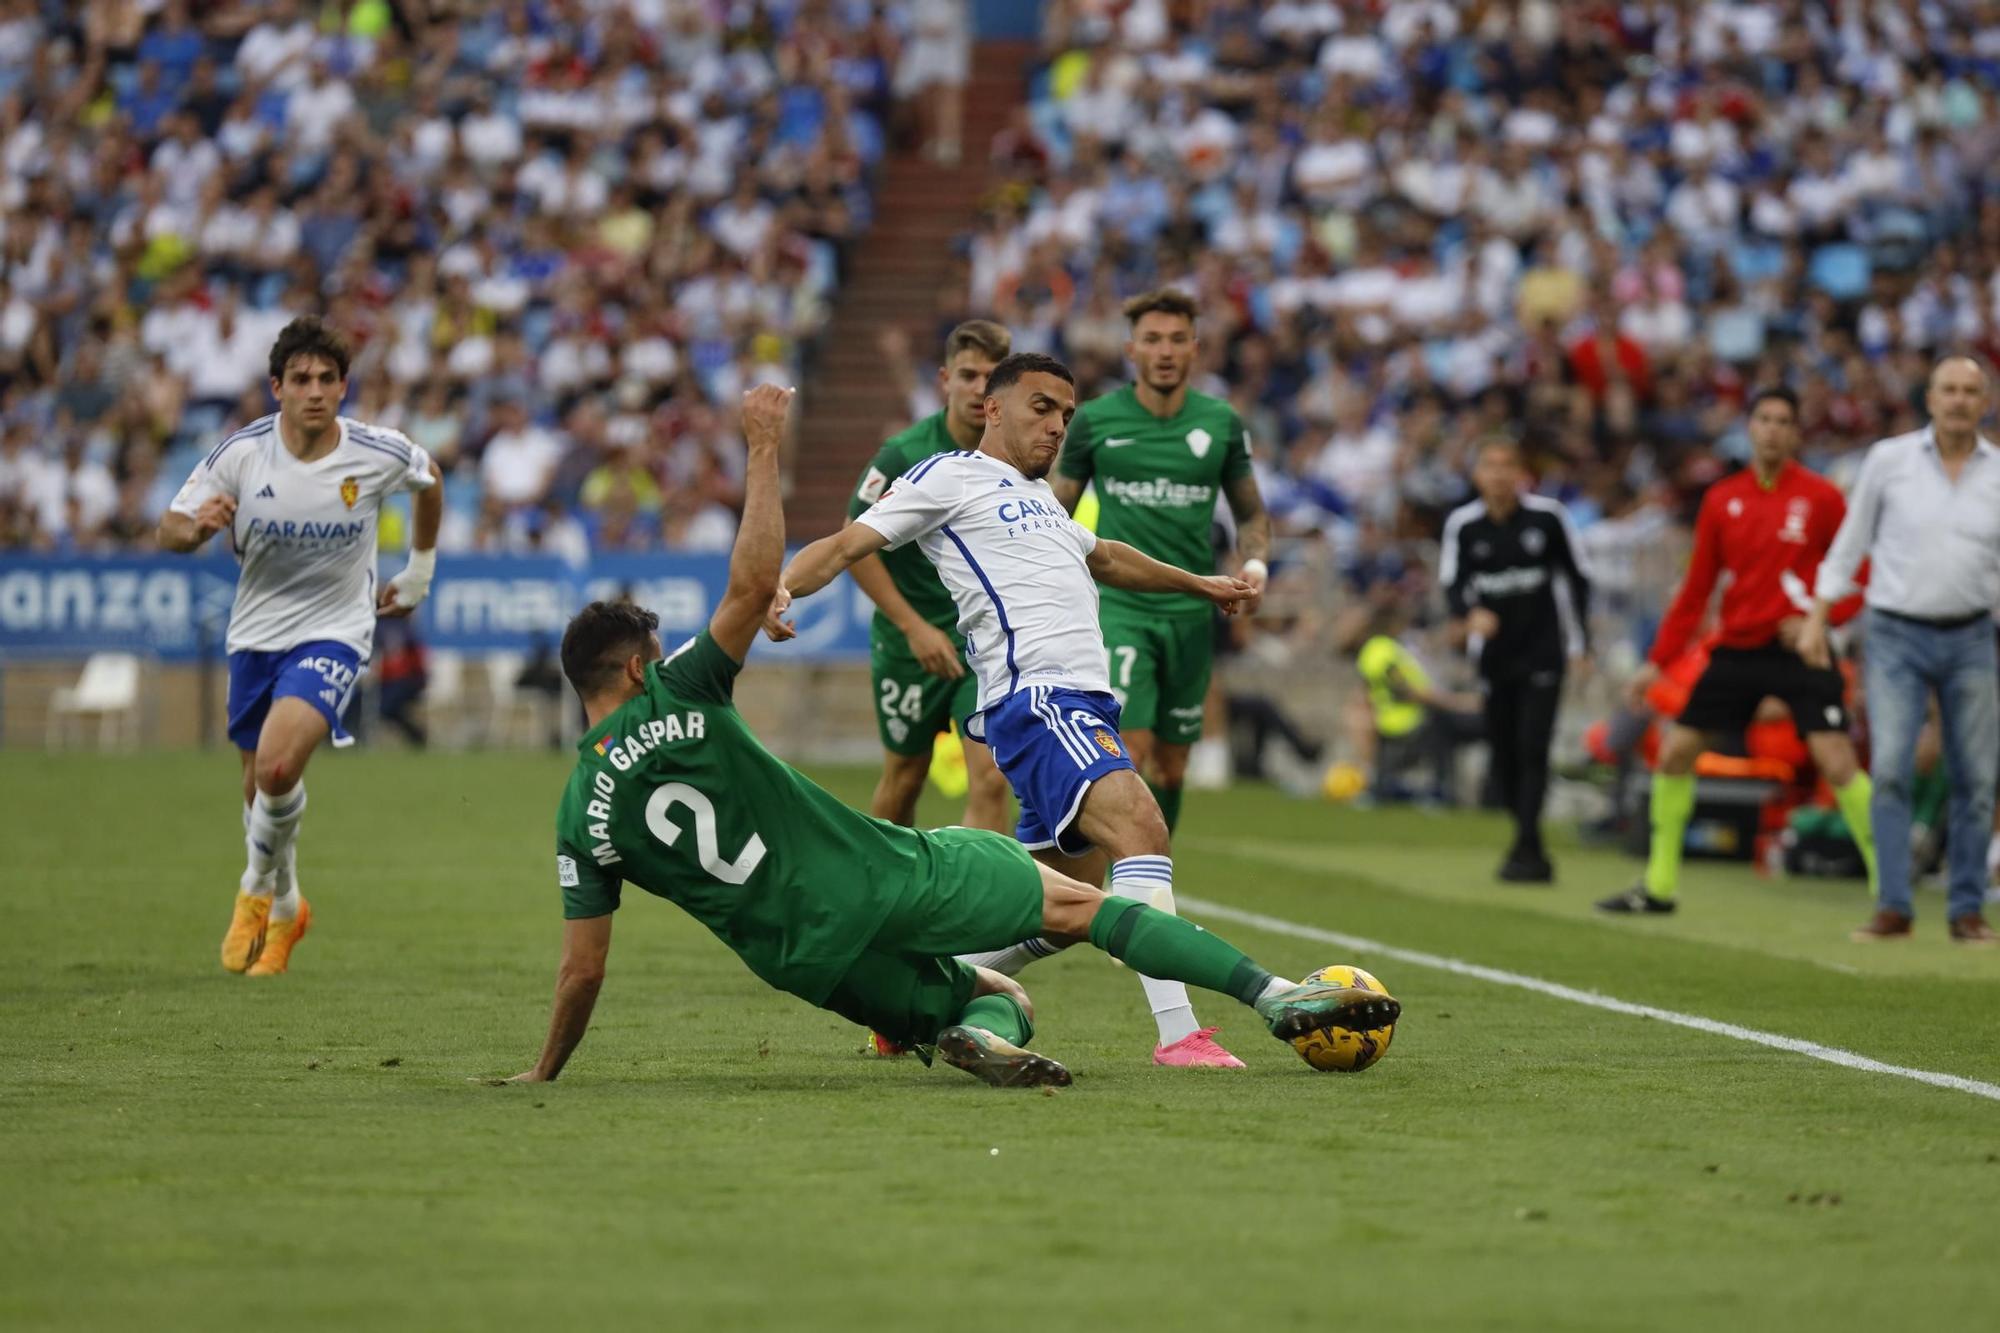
column 108, row 690
column 444, row 697
column 516, row 716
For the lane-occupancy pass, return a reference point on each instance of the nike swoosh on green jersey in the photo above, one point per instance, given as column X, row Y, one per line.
column 1116, row 441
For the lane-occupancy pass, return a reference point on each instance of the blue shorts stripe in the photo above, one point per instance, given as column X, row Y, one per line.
column 1083, row 736
column 1038, row 699
column 1035, row 743
column 999, row 609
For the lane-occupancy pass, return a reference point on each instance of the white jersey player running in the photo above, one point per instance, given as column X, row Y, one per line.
column 1025, row 575
column 299, row 491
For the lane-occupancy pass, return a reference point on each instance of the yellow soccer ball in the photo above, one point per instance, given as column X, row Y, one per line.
column 1343, row 782
column 1339, row 1050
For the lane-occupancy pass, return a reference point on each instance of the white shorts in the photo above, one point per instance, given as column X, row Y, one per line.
column 926, row 62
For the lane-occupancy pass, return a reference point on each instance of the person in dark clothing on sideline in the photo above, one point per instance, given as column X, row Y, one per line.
column 1520, row 599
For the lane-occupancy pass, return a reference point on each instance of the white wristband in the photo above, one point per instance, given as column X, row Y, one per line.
column 414, row 583
column 1256, row 567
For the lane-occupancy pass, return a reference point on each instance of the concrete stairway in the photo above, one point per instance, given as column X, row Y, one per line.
column 898, row 275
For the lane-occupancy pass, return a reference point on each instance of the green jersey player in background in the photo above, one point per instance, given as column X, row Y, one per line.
column 672, row 792
column 1159, row 454
column 917, row 672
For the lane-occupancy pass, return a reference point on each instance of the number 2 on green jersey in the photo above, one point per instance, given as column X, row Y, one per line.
column 710, row 856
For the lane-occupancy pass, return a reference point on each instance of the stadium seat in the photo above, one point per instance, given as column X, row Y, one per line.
column 444, row 698
column 108, row 690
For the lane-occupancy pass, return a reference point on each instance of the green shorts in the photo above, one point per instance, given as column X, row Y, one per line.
column 1159, row 671
column 983, row 892
column 911, row 705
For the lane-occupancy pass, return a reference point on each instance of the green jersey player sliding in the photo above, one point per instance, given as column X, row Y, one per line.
column 673, row 793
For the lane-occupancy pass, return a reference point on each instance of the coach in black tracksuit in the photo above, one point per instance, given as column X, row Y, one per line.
column 1519, row 596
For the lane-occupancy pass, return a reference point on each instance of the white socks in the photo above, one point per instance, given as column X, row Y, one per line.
column 273, row 824
column 1010, row 961
column 285, row 905
column 1150, row 879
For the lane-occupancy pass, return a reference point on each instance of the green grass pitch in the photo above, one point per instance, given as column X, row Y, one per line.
column 185, row 1149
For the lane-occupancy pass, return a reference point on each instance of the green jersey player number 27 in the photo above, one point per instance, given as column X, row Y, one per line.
column 1160, row 454
column 674, row 794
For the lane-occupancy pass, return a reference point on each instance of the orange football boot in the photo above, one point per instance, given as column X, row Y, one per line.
column 279, row 940
column 247, row 924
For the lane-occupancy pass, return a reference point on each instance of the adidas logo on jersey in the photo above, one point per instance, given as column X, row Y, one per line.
column 267, row 493
column 1006, row 481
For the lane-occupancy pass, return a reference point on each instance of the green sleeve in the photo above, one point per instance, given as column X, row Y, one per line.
column 1078, row 460
column 1236, row 455
column 885, row 467
column 699, row 669
column 587, row 888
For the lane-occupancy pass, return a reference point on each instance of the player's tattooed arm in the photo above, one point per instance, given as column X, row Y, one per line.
column 184, row 532
column 1253, row 533
column 586, row 944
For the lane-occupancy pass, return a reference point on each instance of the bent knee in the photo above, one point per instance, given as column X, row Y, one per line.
column 276, row 774
column 999, row 983
column 1068, row 908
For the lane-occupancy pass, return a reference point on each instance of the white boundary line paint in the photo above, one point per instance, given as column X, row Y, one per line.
column 1832, row 1055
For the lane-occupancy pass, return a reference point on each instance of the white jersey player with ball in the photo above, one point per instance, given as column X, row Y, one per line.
column 1025, row 575
column 300, row 492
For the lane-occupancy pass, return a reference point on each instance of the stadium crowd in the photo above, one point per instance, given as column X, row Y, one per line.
column 562, row 235
column 1594, row 226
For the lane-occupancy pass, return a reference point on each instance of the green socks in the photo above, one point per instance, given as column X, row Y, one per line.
column 1158, row 945
column 1672, row 806
column 999, row 1015
column 1853, row 801
column 1170, row 804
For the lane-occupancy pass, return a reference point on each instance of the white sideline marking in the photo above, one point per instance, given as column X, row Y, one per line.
column 1832, row 1055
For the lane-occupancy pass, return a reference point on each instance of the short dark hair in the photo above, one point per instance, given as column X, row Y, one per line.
column 1485, row 444
column 306, row 336
column 1779, row 392
column 1165, row 301
column 1013, row 367
column 599, row 640
column 983, row 336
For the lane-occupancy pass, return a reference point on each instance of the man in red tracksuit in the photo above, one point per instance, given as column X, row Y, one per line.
column 1767, row 526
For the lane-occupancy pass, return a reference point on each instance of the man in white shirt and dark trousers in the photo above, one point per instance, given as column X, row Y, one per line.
column 1519, row 597
column 1925, row 512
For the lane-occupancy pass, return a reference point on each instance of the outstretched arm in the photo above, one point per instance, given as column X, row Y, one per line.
column 932, row 647
column 760, row 536
column 586, row 943
column 813, row 568
column 1122, row 566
